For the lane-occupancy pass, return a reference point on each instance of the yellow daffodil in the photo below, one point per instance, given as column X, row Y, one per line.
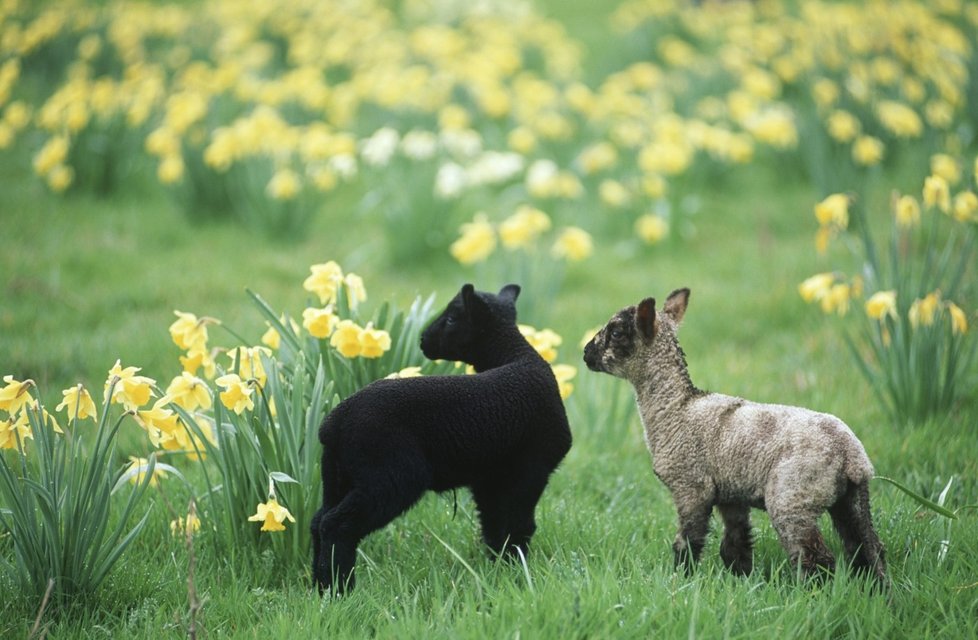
column 406, row 372
column 346, row 339
column 14, row 432
column 833, row 210
column 943, row 165
column 250, row 366
column 60, row 178
column 544, row 341
column 614, row 194
column 965, row 207
column 320, row 323
column 159, row 422
column 355, row 291
column 189, row 391
column 651, row 228
column 477, row 242
column 597, row 157
column 14, row 394
column 199, row 358
column 867, row 151
column 272, row 515
column 573, row 244
column 237, row 393
column 325, row 280
column 142, row 464
column 52, row 154
column 899, row 119
column 837, row 299
column 882, row 304
column 937, row 194
column 959, row 321
column 374, row 342
column 907, row 212
column 131, row 390
column 843, row 126
column 188, row 331
column 78, row 403
column 522, row 228
column 923, row 311
column 284, row 185
column 816, row 287
column 170, row 170
column 181, row 527
column 564, row 373
column 271, row 338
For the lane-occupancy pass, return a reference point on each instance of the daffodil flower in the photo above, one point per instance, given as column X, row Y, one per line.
column 189, row 392
column 15, row 394
column 346, row 339
column 237, row 393
column 959, row 321
column 574, row 244
column 320, row 323
column 78, row 403
column 14, row 432
column 141, row 466
column 272, row 515
column 882, row 304
column 189, row 332
column 324, row 281
column 130, row 390
column 374, row 342
column 477, row 242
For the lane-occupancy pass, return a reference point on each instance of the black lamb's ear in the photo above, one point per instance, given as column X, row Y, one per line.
column 471, row 300
column 676, row 304
column 509, row 293
column 645, row 318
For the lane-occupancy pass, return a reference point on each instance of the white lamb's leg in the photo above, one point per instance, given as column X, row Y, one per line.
column 694, row 507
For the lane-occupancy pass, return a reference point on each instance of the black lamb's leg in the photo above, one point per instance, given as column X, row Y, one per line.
column 489, row 502
column 376, row 499
column 524, row 489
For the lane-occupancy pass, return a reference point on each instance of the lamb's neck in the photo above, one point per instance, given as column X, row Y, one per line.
column 503, row 348
column 662, row 394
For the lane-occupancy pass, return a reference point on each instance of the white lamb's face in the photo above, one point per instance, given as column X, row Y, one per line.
column 616, row 346
column 637, row 337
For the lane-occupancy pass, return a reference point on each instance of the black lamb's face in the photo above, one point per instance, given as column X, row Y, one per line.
column 615, row 345
column 454, row 335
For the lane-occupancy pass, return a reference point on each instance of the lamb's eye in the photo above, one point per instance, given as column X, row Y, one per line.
column 449, row 320
column 616, row 334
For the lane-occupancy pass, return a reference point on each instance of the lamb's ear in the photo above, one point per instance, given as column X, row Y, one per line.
column 509, row 293
column 471, row 300
column 645, row 318
column 675, row 305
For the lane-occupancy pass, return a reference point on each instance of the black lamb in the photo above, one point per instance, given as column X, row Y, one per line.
column 500, row 432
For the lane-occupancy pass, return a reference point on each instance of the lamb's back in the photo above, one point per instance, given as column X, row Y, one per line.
column 745, row 442
column 468, row 419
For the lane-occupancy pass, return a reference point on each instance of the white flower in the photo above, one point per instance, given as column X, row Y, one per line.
column 541, row 173
column 494, row 167
column 450, row 181
column 464, row 143
column 419, row 145
column 378, row 148
column 344, row 165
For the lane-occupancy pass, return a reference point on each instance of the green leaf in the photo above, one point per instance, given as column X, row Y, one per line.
column 924, row 502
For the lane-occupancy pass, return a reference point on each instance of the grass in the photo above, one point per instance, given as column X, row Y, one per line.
column 92, row 280
column 87, row 280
